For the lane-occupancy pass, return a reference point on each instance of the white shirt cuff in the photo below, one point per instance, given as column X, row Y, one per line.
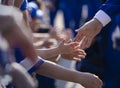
column 102, row 17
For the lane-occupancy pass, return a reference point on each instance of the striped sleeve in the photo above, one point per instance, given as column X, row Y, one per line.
column 30, row 66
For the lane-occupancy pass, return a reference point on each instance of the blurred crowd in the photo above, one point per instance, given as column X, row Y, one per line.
column 31, row 45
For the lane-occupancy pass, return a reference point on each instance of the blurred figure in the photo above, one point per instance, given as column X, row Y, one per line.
column 9, row 66
column 35, row 16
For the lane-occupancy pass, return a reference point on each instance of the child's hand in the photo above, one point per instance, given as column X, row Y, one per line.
column 70, row 47
column 71, row 51
column 89, row 80
column 66, row 48
column 74, row 56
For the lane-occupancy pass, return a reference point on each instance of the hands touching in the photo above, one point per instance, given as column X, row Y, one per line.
column 68, row 47
column 88, row 30
column 72, row 50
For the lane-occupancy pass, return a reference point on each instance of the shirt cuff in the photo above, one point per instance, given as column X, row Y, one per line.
column 102, row 17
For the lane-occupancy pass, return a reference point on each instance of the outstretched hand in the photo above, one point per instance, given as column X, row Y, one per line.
column 88, row 30
column 68, row 47
column 74, row 51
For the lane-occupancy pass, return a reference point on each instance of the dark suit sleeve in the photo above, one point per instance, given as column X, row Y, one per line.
column 108, row 11
column 111, row 7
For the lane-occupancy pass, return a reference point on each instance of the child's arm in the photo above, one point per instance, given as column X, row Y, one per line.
column 55, row 71
column 63, row 48
column 75, row 56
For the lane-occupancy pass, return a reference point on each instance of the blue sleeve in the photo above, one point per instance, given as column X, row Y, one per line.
column 111, row 7
column 24, row 5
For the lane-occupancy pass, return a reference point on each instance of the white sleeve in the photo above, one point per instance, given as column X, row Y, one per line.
column 103, row 17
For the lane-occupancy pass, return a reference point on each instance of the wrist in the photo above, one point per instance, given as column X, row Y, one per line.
column 98, row 23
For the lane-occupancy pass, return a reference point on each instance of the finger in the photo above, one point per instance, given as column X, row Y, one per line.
column 83, row 42
column 78, row 36
column 88, row 42
column 81, row 56
column 76, row 59
column 80, row 51
column 78, row 55
column 74, row 45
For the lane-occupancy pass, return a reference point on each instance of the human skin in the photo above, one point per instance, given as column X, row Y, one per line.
column 89, row 30
column 53, row 70
column 63, row 48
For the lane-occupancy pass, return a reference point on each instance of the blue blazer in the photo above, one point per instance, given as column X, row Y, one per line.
column 111, row 7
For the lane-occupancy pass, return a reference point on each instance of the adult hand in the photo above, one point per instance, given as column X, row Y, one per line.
column 88, row 30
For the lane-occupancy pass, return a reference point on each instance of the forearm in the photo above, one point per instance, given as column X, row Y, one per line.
column 58, row 72
column 53, row 70
column 47, row 53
